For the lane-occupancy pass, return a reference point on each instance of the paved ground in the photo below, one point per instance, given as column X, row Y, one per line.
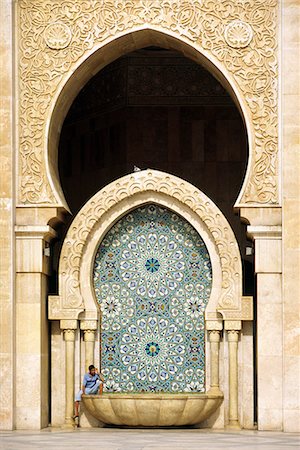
column 120, row 439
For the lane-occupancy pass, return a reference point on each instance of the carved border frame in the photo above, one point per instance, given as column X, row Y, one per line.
column 118, row 198
column 239, row 37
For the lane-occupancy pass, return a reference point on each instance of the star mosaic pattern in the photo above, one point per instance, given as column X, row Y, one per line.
column 152, row 279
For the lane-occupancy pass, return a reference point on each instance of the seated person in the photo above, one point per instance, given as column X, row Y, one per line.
column 92, row 384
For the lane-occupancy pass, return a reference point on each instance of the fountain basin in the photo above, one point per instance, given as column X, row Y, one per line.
column 152, row 410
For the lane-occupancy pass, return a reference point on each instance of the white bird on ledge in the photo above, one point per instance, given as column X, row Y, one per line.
column 136, row 169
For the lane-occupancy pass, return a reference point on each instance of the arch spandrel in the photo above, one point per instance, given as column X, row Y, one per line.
column 76, row 293
column 59, row 50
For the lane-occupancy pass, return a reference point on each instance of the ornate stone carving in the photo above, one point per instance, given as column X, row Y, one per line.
column 69, row 335
column 42, row 71
column 245, row 313
column 233, row 326
column 89, row 335
column 214, row 325
column 127, row 187
column 57, row 35
column 68, row 324
column 129, row 81
column 214, row 335
column 88, row 325
column 238, row 34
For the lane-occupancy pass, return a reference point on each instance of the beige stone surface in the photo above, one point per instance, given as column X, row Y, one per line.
column 152, row 410
column 7, row 203
column 69, row 337
column 269, row 350
column 246, row 376
column 32, row 348
column 150, row 439
column 290, row 122
column 268, row 255
column 57, row 375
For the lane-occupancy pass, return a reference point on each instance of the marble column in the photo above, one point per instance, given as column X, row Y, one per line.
column 69, row 329
column 214, row 338
column 233, row 329
column 33, row 266
column 89, row 328
column 270, row 338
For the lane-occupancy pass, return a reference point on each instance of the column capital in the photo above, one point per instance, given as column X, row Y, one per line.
column 35, row 232
column 33, row 241
column 214, row 335
column 68, row 324
column 264, row 231
column 88, row 325
column 232, row 325
column 89, row 335
column 212, row 325
column 69, row 335
column 233, row 335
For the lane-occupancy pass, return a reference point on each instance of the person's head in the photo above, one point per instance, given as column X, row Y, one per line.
column 92, row 369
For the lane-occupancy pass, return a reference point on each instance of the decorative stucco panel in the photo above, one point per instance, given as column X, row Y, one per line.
column 239, row 36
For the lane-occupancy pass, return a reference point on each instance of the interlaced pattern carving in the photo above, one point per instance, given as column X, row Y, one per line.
column 41, row 69
column 127, row 187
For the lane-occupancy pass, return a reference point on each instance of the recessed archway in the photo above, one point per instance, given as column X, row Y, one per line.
column 76, row 293
column 76, row 299
column 107, row 52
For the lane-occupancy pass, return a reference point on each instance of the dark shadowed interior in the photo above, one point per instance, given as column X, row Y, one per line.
column 155, row 108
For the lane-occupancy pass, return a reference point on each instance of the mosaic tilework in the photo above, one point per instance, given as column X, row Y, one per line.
column 152, row 278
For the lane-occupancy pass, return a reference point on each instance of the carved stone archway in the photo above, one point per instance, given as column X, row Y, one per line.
column 76, row 299
column 118, row 198
column 234, row 40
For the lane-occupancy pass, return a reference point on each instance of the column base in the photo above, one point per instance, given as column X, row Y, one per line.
column 233, row 425
column 215, row 391
column 68, row 425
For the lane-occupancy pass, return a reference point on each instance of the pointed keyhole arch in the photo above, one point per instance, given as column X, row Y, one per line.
column 106, row 52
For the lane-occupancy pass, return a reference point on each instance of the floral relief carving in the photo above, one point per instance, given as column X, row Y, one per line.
column 220, row 29
column 57, row 36
column 238, row 34
column 127, row 187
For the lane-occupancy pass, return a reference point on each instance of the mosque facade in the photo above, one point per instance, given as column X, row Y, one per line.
column 150, row 212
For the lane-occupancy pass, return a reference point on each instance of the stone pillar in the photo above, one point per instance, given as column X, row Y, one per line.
column 69, row 328
column 89, row 328
column 214, row 329
column 32, row 333
column 233, row 329
column 268, row 247
column 214, row 338
column 7, row 206
column 290, row 125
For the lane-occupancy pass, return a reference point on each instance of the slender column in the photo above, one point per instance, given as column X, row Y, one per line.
column 233, row 337
column 89, row 339
column 69, row 328
column 89, row 328
column 214, row 338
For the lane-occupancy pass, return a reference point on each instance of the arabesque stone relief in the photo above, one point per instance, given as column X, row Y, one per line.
column 70, row 301
column 55, row 34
